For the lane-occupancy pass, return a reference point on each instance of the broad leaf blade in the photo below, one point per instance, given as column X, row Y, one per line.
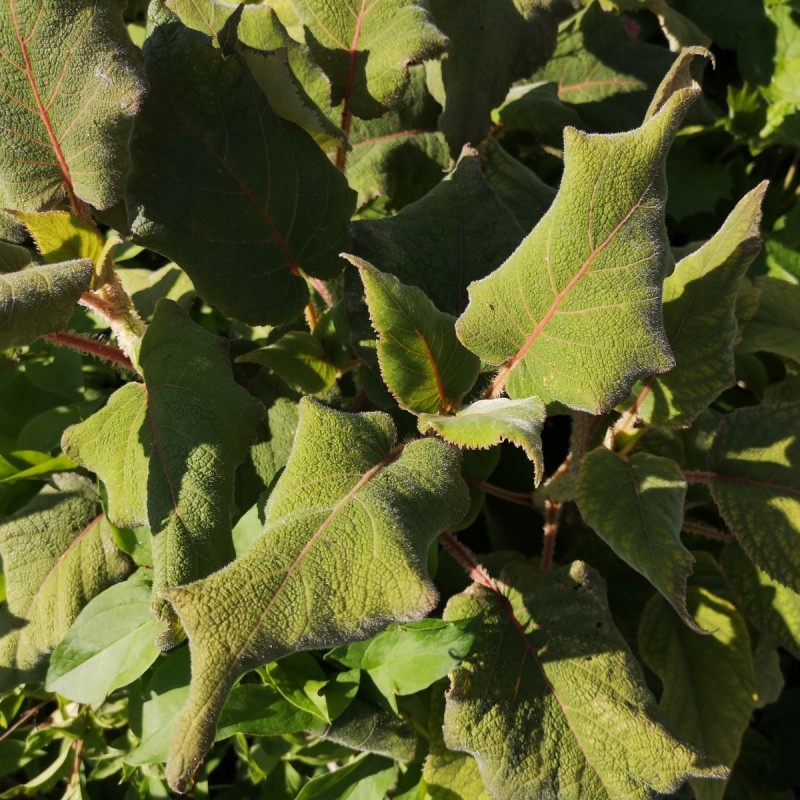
column 60, row 236
column 775, row 326
column 71, row 84
column 550, row 700
column 350, row 510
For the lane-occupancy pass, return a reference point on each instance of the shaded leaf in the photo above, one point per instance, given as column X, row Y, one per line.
column 14, row 257
column 146, row 287
column 775, row 326
column 60, row 236
column 370, row 775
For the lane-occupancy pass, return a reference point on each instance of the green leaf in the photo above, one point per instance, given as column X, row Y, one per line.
column 636, row 507
column 709, row 681
column 700, row 320
column 775, row 327
column 13, row 257
column 755, row 482
column 72, row 82
column 492, row 46
column 39, row 300
column 110, row 644
column 146, row 287
column 550, row 700
column 366, row 48
column 60, row 236
column 486, row 423
column 350, row 510
column 277, row 220
column 167, row 450
column 368, row 776
column 425, row 367
column 574, row 314
column 58, row 553
column 772, row 608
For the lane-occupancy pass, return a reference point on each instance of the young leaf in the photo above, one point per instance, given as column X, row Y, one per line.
column 285, row 209
column 550, row 700
column 348, row 527
column 71, row 82
column 167, row 450
column 486, row 423
column 636, row 507
column 575, row 313
column 39, row 300
column 425, row 367
column 60, row 236
column 58, row 552
column 755, row 482
column 775, row 326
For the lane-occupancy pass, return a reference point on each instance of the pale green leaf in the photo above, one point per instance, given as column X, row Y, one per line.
column 755, row 482
column 71, row 84
column 367, row 777
column 60, row 236
column 422, row 362
column 486, row 423
column 775, row 326
column 39, row 300
column 285, row 208
column 58, row 552
column 146, row 287
column 552, row 703
column 167, row 450
column 348, row 527
column 574, row 314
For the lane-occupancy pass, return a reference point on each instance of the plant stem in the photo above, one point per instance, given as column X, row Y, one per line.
column 552, row 519
column 521, row 498
column 31, row 712
column 321, row 289
column 465, row 557
column 699, row 477
column 710, row 533
column 83, row 344
column 75, row 774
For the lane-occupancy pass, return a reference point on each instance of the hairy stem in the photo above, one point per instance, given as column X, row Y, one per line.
column 466, row 558
column 552, row 519
column 521, row 498
column 83, row 344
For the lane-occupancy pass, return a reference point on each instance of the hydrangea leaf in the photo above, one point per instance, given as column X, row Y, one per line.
column 775, row 326
column 755, row 482
column 39, row 300
column 700, row 320
column 422, row 362
column 71, row 84
column 348, row 526
column 550, row 700
column 58, row 553
column 486, row 423
column 574, row 314
column 286, row 206
column 60, row 236
column 493, row 45
column 771, row 607
column 167, row 450
column 709, row 681
column 367, row 47
column 636, row 507
column 458, row 232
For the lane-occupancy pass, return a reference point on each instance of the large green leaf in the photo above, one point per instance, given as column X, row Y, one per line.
column 493, row 45
column 14, row 257
column 775, row 326
column 58, row 552
column 551, row 701
column 755, row 481
column 425, row 367
column 700, row 319
column 39, row 300
column 167, row 450
column 575, row 313
column 285, row 208
column 71, row 83
column 348, row 527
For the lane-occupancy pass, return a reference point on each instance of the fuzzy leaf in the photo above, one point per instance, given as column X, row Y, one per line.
column 775, row 326
column 550, row 700
column 755, row 482
column 425, row 367
column 285, row 209
column 167, row 450
column 71, row 83
column 367, row 47
column 39, row 300
column 486, row 423
column 636, row 507
column 575, row 313
column 58, row 552
column 13, row 257
column 60, row 236
column 348, row 527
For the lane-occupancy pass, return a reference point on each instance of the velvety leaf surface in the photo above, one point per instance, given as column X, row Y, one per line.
column 257, row 196
column 755, row 482
column 493, row 45
column 13, row 257
column 575, row 313
column 167, row 450
column 348, row 527
column 58, row 552
column 486, row 423
column 39, row 300
column 775, row 326
column 550, row 700
column 422, row 362
column 71, row 81
column 700, row 319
